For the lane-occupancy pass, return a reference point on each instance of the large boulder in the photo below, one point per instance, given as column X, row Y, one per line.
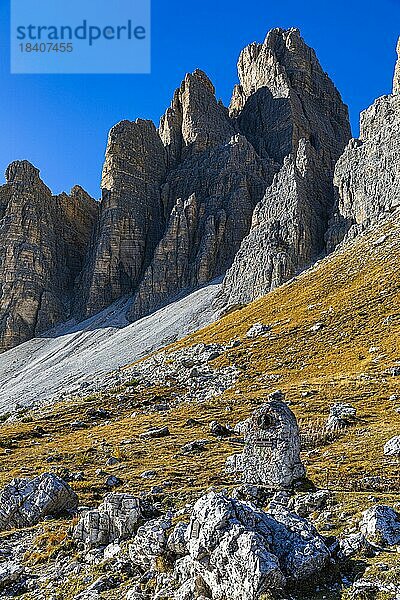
column 115, row 519
column 271, row 456
column 25, row 502
column 239, row 552
column 381, row 524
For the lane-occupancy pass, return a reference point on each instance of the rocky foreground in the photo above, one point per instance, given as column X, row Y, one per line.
column 261, row 540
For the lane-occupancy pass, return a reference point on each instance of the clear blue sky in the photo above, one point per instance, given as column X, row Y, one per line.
column 60, row 122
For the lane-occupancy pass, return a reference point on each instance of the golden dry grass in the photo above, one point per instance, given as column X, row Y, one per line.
column 355, row 294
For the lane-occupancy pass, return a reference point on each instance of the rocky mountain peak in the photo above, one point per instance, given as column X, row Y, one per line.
column 366, row 177
column 22, row 171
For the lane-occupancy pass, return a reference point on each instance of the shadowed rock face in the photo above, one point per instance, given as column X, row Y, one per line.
column 43, row 240
column 367, row 175
column 290, row 110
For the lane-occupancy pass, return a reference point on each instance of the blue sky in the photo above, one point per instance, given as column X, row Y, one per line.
column 60, row 122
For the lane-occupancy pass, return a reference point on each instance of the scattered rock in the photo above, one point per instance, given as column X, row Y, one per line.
column 25, row 502
column 381, row 525
column 113, row 481
column 355, row 544
column 257, row 329
column 150, row 542
column 341, row 415
column 176, row 542
column 392, row 447
column 305, row 504
column 115, row 519
column 155, row 432
column 220, row 430
column 195, row 446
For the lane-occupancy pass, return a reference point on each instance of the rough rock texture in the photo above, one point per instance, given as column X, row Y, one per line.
column 150, row 542
column 367, row 175
column 178, row 222
column 43, row 241
column 396, row 78
column 290, row 110
column 392, row 446
column 212, row 196
column 115, row 519
column 130, row 222
column 381, row 524
column 341, row 415
column 178, row 202
column 271, row 456
column 238, row 552
column 25, row 502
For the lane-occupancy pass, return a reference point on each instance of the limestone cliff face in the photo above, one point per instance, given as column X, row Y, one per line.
column 290, row 110
column 244, row 193
column 367, row 175
column 131, row 219
column 43, row 240
column 212, row 199
column 214, row 180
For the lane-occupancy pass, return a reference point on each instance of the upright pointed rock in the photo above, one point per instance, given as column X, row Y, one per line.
column 289, row 109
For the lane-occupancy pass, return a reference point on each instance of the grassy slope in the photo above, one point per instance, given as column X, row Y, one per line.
column 354, row 293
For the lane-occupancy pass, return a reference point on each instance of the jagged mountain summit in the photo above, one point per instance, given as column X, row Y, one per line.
column 178, row 202
column 367, row 175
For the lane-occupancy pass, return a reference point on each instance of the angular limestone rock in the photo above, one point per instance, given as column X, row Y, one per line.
column 289, row 109
column 396, row 78
column 237, row 552
column 25, row 502
column 115, row 519
column 271, row 456
column 381, row 525
column 367, row 175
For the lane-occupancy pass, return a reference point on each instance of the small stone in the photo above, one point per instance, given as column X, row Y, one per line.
column 257, row 330
column 392, row 447
column 148, row 474
column 113, row 481
column 220, row 430
column 194, row 447
column 155, row 432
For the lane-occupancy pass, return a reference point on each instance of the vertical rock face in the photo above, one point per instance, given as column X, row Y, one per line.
column 130, row 221
column 290, row 110
column 367, row 175
column 243, row 191
column 43, row 240
column 212, row 197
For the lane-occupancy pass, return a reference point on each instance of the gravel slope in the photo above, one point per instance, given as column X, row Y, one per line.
column 44, row 367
